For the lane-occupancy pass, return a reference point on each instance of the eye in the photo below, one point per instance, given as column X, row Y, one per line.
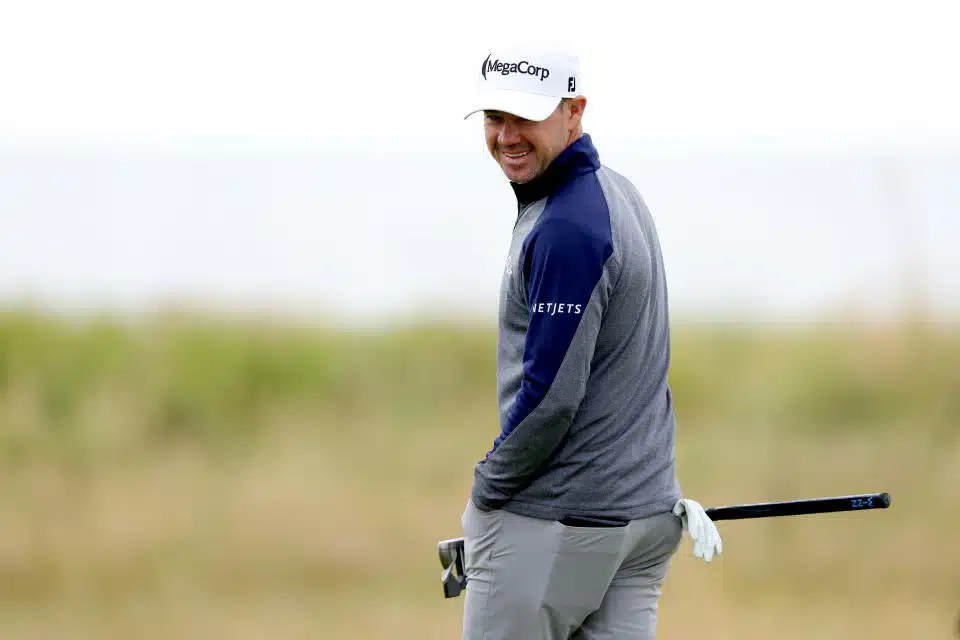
column 493, row 117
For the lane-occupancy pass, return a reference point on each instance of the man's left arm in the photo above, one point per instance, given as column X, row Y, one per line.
column 567, row 293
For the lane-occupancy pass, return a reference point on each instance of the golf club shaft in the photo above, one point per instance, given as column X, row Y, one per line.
column 801, row 507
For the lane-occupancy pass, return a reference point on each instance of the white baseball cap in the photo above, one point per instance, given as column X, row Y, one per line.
column 526, row 83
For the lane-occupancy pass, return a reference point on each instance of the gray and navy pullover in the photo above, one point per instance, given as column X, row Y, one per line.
column 586, row 415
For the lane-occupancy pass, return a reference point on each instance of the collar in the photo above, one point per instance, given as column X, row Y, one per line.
column 578, row 159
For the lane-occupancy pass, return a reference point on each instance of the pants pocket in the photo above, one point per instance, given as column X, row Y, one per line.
column 481, row 531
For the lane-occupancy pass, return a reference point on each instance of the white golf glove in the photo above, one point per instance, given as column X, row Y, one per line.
column 696, row 522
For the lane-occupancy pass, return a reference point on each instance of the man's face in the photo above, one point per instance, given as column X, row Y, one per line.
column 525, row 148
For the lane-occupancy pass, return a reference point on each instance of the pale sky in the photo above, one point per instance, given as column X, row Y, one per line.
column 145, row 148
column 732, row 70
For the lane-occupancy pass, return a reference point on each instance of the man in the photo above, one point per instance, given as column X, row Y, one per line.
column 573, row 517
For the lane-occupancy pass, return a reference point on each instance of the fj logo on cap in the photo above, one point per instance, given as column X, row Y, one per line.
column 571, row 84
column 506, row 68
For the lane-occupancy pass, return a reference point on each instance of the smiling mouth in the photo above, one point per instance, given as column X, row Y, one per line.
column 516, row 155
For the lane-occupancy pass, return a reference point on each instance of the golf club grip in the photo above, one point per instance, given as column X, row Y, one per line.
column 801, row 507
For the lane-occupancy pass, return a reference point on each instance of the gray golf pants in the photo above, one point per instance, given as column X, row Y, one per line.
column 531, row 579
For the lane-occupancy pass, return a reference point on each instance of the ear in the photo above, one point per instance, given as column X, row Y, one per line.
column 576, row 107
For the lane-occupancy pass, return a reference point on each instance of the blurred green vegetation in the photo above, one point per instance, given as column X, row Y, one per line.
column 217, row 382
column 236, row 477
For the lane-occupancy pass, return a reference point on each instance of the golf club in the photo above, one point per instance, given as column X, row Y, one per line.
column 454, row 579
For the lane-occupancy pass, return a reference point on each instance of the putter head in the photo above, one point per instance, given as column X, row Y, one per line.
column 453, row 578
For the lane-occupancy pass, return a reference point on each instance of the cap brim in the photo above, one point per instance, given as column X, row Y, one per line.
column 529, row 106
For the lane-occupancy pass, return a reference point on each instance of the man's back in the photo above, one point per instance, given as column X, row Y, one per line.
column 583, row 353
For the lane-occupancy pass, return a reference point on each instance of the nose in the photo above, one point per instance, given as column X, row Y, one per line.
column 509, row 133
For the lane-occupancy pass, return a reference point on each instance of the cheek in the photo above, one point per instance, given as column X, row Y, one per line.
column 491, row 137
column 542, row 140
column 544, row 146
column 549, row 143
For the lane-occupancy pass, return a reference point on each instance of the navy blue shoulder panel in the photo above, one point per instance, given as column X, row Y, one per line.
column 563, row 260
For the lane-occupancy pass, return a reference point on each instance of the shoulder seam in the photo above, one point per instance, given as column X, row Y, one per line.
column 615, row 244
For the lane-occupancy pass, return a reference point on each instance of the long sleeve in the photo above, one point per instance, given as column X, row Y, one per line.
column 564, row 267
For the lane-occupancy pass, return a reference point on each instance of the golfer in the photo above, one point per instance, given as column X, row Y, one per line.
column 575, row 511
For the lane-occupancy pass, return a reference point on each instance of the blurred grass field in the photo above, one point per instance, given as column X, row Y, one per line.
column 193, row 477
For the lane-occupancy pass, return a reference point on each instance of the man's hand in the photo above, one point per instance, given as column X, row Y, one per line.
column 696, row 522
